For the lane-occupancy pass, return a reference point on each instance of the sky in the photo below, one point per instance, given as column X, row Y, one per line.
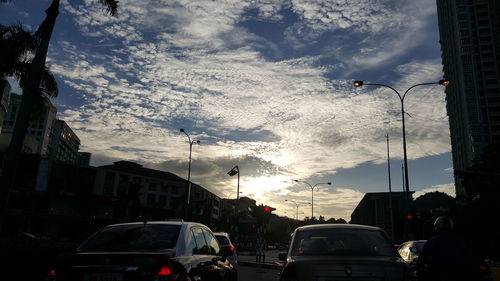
column 262, row 84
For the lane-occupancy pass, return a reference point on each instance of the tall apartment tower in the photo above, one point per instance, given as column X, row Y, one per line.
column 37, row 138
column 470, row 51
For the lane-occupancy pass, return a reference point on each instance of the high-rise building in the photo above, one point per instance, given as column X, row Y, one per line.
column 37, row 137
column 64, row 143
column 470, row 51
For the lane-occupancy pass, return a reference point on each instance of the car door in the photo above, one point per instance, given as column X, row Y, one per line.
column 204, row 267
column 222, row 266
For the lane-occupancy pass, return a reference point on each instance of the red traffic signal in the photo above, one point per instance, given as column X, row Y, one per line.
column 267, row 209
column 409, row 217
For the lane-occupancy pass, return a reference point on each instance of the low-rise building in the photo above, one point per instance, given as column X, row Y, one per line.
column 375, row 209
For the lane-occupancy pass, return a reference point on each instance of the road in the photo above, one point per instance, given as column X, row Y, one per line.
column 250, row 273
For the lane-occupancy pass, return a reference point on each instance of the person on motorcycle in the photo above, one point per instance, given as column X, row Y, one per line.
column 444, row 257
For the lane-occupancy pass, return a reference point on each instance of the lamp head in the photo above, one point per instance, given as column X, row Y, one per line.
column 198, row 141
column 444, row 82
column 330, row 183
column 233, row 171
column 182, row 130
column 358, row 83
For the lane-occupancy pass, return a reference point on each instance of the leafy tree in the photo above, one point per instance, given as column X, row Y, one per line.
column 32, row 75
column 479, row 210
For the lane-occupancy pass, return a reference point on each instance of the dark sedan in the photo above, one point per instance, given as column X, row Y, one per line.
column 343, row 252
column 147, row 251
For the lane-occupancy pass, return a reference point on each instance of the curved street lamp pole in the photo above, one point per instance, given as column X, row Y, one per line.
column 401, row 98
column 312, row 193
column 236, row 170
column 188, row 200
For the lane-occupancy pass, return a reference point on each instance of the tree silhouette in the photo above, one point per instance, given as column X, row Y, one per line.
column 32, row 75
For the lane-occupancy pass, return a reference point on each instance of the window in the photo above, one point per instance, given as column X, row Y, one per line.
column 342, row 242
column 122, row 185
column 153, row 186
column 212, row 243
column 151, row 199
column 163, row 200
column 109, row 182
column 201, row 244
column 137, row 237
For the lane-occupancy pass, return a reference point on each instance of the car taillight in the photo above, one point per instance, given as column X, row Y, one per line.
column 231, row 248
column 52, row 275
column 164, row 271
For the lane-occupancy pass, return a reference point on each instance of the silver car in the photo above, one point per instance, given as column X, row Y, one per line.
column 228, row 247
column 147, row 251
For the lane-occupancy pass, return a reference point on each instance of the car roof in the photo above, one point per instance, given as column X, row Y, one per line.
column 337, row 226
column 180, row 223
column 221, row 233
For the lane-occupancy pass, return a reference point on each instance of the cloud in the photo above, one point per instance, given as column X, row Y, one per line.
column 272, row 106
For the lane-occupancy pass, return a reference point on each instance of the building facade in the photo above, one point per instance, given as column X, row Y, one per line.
column 38, row 134
column 151, row 193
column 375, row 209
column 64, row 143
column 470, row 50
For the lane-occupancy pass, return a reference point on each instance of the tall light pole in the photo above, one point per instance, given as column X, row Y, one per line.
column 188, row 200
column 236, row 170
column 312, row 193
column 401, row 98
column 297, row 208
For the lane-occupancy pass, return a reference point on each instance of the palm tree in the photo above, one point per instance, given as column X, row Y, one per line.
column 32, row 76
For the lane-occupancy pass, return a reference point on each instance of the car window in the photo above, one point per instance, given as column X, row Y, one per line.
column 419, row 246
column 342, row 242
column 191, row 247
column 148, row 237
column 212, row 242
column 222, row 239
column 202, row 247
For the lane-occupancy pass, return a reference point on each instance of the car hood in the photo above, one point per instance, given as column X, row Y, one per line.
column 320, row 268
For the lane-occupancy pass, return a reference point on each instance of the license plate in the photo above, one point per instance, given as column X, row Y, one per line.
column 103, row 277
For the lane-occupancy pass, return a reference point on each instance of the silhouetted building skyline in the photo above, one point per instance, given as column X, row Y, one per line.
column 470, row 50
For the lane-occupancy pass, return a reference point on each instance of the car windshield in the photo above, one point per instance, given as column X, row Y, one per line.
column 342, row 242
column 148, row 237
column 222, row 239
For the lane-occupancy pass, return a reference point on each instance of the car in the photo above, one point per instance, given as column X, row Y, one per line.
column 228, row 247
column 342, row 252
column 156, row 250
column 410, row 250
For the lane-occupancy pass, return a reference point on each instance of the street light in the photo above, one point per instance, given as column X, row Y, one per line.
column 297, row 206
column 312, row 193
column 191, row 142
column 236, row 170
column 360, row 83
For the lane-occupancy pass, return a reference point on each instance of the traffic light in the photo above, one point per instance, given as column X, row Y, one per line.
column 409, row 217
column 267, row 209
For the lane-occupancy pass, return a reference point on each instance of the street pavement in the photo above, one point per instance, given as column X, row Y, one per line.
column 271, row 260
column 252, row 273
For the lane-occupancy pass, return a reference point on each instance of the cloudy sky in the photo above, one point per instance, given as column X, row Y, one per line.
column 263, row 84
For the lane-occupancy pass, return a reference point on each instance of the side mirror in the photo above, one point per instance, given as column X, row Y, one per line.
column 282, row 256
